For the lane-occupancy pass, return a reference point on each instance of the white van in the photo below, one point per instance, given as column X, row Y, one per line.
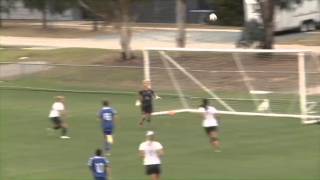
column 304, row 16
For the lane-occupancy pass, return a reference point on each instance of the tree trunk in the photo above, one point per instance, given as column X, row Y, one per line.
column 125, row 30
column 95, row 25
column 181, row 15
column 1, row 25
column 44, row 15
column 267, row 12
column 1, row 10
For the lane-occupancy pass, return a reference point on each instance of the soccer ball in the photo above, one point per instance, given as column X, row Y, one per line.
column 213, row 17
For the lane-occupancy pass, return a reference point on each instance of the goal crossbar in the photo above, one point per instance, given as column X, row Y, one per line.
column 231, row 50
column 237, row 113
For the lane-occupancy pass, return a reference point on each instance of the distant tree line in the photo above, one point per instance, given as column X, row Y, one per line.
column 120, row 14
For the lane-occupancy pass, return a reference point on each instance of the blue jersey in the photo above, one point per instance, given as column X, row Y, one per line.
column 107, row 115
column 98, row 166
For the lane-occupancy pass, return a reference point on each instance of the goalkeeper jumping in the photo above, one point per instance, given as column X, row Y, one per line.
column 146, row 97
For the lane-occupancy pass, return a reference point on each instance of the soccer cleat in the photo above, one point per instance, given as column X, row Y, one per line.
column 65, row 137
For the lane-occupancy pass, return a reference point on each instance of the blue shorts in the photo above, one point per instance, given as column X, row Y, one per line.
column 100, row 178
column 108, row 130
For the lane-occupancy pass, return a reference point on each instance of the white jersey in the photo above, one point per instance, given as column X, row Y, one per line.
column 56, row 109
column 209, row 116
column 150, row 149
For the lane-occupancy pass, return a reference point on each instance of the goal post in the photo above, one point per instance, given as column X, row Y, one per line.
column 251, row 82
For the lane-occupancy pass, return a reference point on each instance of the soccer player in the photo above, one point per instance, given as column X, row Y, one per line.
column 57, row 116
column 99, row 166
column 210, row 123
column 151, row 151
column 146, row 97
column 107, row 116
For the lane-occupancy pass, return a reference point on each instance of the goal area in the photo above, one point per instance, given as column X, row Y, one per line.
column 250, row 82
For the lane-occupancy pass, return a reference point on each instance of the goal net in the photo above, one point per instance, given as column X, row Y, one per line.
column 276, row 83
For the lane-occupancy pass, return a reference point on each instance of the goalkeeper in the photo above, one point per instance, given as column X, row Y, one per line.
column 146, row 97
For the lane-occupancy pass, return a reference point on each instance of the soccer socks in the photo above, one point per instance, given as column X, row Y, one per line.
column 64, row 131
column 110, row 139
column 148, row 119
column 107, row 147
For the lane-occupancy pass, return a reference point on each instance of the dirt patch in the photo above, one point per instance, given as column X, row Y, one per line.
column 8, row 71
column 314, row 90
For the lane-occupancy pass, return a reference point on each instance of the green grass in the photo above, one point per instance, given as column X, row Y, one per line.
column 253, row 148
column 62, row 56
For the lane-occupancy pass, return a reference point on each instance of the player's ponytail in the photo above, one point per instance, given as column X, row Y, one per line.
column 205, row 103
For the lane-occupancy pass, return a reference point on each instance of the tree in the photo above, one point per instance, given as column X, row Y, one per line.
column 181, row 16
column 125, row 29
column 98, row 10
column 265, row 35
column 119, row 12
column 49, row 7
column 267, row 16
column 5, row 7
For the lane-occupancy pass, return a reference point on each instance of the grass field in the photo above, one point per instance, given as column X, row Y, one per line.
column 253, row 148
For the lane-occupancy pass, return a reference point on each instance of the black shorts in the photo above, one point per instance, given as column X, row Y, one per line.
column 210, row 129
column 56, row 121
column 147, row 108
column 153, row 169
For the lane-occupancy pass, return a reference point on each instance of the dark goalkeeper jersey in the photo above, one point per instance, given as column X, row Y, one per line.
column 147, row 96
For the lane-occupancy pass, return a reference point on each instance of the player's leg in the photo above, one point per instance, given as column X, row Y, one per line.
column 108, row 138
column 148, row 117
column 64, row 130
column 212, row 133
column 56, row 121
column 155, row 172
column 155, row 176
column 148, row 112
column 214, row 139
column 143, row 110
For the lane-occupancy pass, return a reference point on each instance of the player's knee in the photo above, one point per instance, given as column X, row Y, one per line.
column 64, row 125
column 214, row 139
column 109, row 139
